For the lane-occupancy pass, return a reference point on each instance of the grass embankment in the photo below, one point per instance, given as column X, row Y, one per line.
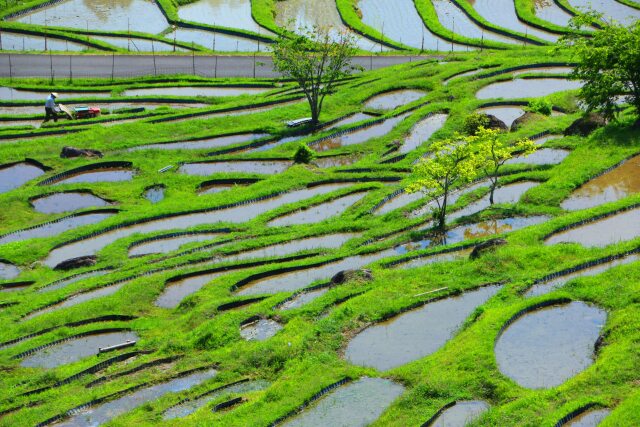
column 305, row 356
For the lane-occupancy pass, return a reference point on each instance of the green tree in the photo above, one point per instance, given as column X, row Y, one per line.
column 608, row 64
column 494, row 152
column 303, row 154
column 315, row 59
column 453, row 162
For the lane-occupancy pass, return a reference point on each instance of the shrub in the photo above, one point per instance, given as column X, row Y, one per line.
column 542, row 106
column 303, row 154
column 474, row 121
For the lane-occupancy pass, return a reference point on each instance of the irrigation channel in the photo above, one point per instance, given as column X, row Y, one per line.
column 189, row 271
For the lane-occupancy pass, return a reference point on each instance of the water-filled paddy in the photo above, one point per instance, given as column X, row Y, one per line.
column 260, row 330
column 55, row 228
column 66, row 281
column 550, row 11
column 612, row 229
column 356, row 404
column 195, row 91
column 8, row 271
column 16, row 175
column 9, row 93
column 75, row 349
column 503, row 13
column 611, row 186
column 267, row 167
column 543, row 156
column 103, row 413
column 526, row 88
column 154, row 194
column 199, row 144
column 610, row 9
column 318, row 213
column 398, row 201
column 218, row 41
column 102, row 175
column 66, row 202
column 169, row 244
column 460, row 414
column 132, row 44
column 394, row 99
column 303, row 298
column 415, row 334
column 422, row 132
column 221, row 13
column 506, row 113
column 26, row 42
column 546, row 347
column 589, row 419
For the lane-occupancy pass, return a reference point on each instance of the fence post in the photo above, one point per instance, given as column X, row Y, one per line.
column 153, row 52
column 113, row 64
column 215, row 68
column 10, row 70
column 51, row 66
column 70, row 69
column 193, row 62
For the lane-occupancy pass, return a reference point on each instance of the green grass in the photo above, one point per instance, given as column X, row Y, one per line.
column 305, row 356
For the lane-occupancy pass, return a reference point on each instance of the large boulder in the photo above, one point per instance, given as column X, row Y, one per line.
column 495, row 123
column 586, row 124
column 483, row 247
column 345, row 276
column 70, row 264
column 70, row 152
column 523, row 120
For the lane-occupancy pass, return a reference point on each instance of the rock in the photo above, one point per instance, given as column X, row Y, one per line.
column 495, row 123
column 586, row 124
column 69, row 152
column 523, row 120
column 70, row 264
column 347, row 275
column 479, row 249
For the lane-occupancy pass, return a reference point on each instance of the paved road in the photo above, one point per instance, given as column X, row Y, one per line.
column 62, row 66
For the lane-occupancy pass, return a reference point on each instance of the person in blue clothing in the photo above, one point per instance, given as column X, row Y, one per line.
column 50, row 108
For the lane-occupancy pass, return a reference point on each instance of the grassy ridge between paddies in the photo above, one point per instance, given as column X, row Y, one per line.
column 526, row 12
column 304, row 357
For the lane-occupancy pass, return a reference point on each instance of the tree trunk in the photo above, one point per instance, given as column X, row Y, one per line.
column 442, row 215
column 493, row 189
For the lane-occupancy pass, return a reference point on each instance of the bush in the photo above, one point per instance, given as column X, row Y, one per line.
column 303, row 154
column 541, row 106
column 474, row 121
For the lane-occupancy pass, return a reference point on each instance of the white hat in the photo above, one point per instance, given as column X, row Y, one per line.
column 54, row 94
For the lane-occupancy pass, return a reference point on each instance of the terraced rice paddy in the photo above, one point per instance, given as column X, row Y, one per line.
column 261, row 291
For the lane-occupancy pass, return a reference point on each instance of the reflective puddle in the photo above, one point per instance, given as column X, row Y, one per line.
column 550, row 11
column 236, row 214
column 543, row 156
column 318, row 213
column 453, row 197
column 613, row 229
column 175, row 292
column 55, row 228
column 8, row 271
column 16, row 175
column 503, row 14
column 265, row 167
column 614, row 185
column 399, row 20
column 589, row 419
column 103, row 413
column 168, row 244
column 75, row 349
column 198, row 144
column 358, row 403
column 461, row 414
column 506, row 113
column 154, row 194
column 473, row 231
column 546, row 347
column 358, row 136
column 555, row 283
column 292, row 281
column 336, row 161
column 66, row 202
column 395, row 99
column 190, row 406
column 543, row 70
column 102, row 175
column 223, row 13
column 526, row 88
column 260, row 330
column 294, row 14
column 195, row 91
column 414, row 334
column 115, row 15
column 432, row 259
column 422, row 132
column 455, row 20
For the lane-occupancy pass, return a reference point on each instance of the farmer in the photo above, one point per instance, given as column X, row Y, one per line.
column 50, row 108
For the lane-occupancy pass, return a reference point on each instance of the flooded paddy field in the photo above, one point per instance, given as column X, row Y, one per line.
column 526, row 88
column 318, row 293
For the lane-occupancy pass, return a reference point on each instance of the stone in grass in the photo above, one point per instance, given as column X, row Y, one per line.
column 483, row 247
column 69, row 152
column 523, row 120
column 586, row 124
column 345, row 276
column 495, row 123
column 70, row 264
